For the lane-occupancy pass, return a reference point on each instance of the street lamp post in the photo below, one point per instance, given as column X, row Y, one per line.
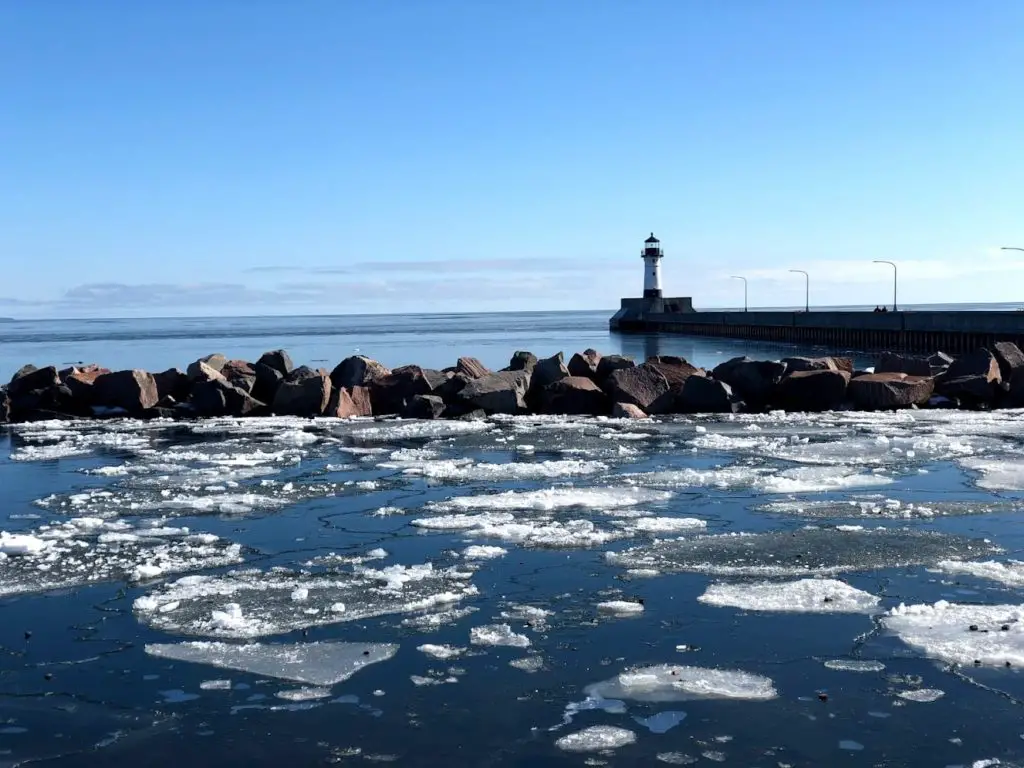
column 894, row 275
column 807, row 289
column 737, row 277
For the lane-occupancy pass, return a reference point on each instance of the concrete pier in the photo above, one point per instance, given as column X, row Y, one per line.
column 952, row 332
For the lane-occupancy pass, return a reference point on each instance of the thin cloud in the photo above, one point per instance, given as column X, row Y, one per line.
column 464, row 266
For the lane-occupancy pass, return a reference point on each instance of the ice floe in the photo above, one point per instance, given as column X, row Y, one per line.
column 991, row 635
column 462, row 471
column 922, row 695
column 441, row 651
column 809, row 550
column 670, row 682
column 596, row 738
column 554, row 534
column 997, row 474
column 483, row 552
column 88, row 550
column 621, row 607
column 412, row 430
column 498, row 634
column 764, row 479
column 253, row 603
column 854, row 665
column 319, row 664
column 880, row 507
column 551, row 499
column 1010, row 573
column 803, row 596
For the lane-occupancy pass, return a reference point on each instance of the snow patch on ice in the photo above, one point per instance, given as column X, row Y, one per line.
column 597, row 738
column 803, row 596
column 991, row 635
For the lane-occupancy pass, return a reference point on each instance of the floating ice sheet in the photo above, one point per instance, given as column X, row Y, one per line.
column 88, row 550
column 669, row 682
column 1010, row 573
column 462, row 471
column 922, row 695
column 412, row 430
column 551, row 499
column 854, row 665
column 808, row 550
column 621, row 608
column 997, row 474
column 320, row 664
column 991, row 635
column 764, row 479
column 880, row 507
column 253, row 603
column 597, row 738
column 498, row 634
column 803, row 596
column 553, row 534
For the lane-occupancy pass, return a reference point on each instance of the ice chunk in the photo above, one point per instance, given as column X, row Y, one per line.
column 803, row 596
column 621, row 607
column 483, row 552
column 215, row 685
column 412, row 430
column 1010, row 573
column 668, row 682
column 795, row 480
column 554, row 498
column 441, row 651
column 497, row 634
column 597, row 738
column 20, row 544
column 854, row 665
column 664, row 524
column 320, row 664
column 923, row 695
column 528, row 664
column 879, row 507
column 253, row 603
column 304, row 694
column 802, row 552
column 997, row 474
column 460, row 471
column 961, row 634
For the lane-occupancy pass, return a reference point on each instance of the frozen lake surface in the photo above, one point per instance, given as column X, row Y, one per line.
column 783, row 589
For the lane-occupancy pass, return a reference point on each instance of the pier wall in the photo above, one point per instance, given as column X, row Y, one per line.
column 951, row 332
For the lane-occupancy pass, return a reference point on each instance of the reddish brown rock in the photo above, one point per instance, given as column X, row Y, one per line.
column 358, row 371
column 703, row 395
column 471, row 367
column 574, row 396
column 391, row 393
column 890, row 362
column 306, row 394
column 1009, row 357
column 347, row 402
column 585, row 363
column 814, row 390
column 134, row 391
column 196, row 371
column 627, row 411
column 640, row 385
column 502, row 392
column 610, row 363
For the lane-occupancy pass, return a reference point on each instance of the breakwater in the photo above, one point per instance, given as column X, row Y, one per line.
column 954, row 332
column 588, row 384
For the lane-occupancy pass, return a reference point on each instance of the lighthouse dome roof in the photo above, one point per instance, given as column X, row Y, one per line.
column 652, row 239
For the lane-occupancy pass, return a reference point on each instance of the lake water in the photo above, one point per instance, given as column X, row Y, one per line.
column 707, row 591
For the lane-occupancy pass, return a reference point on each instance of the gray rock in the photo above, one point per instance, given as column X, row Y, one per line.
column 980, row 362
column 218, row 397
column 575, row 396
column 939, row 363
column 277, row 359
column 754, row 381
column 240, row 374
column 800, row 364
column 549, row 370
column 522, row 361
column 971, row 391
column 424, row 407
column 676, row 370
column 815, row 390
column 390, row 394
column 172, row 383
column 501, row 392
column 640, row 385
column 357, row 371
column 268, row 380
column 133, row 390
column 890, row 362
column 215, row 361
column 888, row 391
column 1009, row 357
column 609, row 363
column 585, row 363
column 303, row 395
column 703, row 395
column 30, row 379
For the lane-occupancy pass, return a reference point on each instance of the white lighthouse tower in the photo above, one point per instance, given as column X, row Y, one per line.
column 652, row 267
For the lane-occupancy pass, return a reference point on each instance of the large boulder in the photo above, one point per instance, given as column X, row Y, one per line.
column 449, row 389
column 752, row 380
column 268, row 380
column 32, row 380
column 703, row 395
column 980, row 362
column 890, row 362
column 522, row 361
column 424, row 407
column 939, row 363
column 218, row 397
column 390, row 393
column 501, row 392
column 640, row 385
column 80, row 382
column 972, row 391
column 277, row 359
column 357, row 371
column 196, row 371
column 627, row 411
column 346, row 403
column 548, row 370
column 798, row 364
column 241, row 374
column 134, row 391
column 814, row 390
column 609, row 363
column 574, row 395
column 172, row 384
column 1009, row 357
column 304, row 393
column 585, row 363
column 887, row 391
column 5, row 408
column 471, row 367
column 676, row 370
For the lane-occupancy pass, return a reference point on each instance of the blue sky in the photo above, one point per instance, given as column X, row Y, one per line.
column 255, row 157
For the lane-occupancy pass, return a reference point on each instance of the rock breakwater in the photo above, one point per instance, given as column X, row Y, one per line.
column 589, row 384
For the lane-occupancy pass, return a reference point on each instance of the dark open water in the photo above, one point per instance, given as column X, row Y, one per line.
column 303, row 535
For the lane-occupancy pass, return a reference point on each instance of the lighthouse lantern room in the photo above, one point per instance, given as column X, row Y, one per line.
column 652, row 267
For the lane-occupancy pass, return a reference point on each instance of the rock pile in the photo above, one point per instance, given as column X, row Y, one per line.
column 591, row 384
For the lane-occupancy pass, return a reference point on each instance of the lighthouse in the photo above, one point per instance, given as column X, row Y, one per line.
column 652, row 267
